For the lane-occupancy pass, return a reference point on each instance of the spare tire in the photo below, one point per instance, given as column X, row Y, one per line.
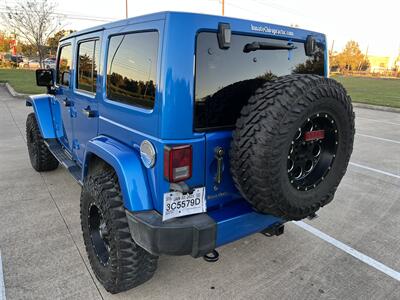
column 292, row 145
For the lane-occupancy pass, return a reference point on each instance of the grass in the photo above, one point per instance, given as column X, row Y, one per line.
column 23, row 81
column 375, row 91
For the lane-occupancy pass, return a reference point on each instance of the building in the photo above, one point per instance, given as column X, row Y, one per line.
column 381, row 64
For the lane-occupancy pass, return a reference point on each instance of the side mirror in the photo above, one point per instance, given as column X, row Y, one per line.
column 310, row 45
column 45, row 77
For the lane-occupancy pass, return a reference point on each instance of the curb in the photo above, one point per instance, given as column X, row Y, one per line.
column 376, row 107
column 2, row 285
column 12, row 92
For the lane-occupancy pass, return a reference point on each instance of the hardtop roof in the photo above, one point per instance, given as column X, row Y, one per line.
column 164, row 15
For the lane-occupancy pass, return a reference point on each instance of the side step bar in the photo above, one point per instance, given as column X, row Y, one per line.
column 64, row 158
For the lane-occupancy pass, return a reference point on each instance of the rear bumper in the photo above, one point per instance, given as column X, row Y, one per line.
column 197, row 235
column 194, row 235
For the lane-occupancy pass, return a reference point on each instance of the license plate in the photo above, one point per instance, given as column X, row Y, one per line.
column 177, row 204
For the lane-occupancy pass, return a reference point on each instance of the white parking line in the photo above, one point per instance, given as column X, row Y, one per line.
column 349, row 250
column 375, row 170
column 2, row 287
column 378, row 121
column 378, row 138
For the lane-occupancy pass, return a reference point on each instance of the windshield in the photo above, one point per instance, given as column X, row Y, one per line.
column 226, row 78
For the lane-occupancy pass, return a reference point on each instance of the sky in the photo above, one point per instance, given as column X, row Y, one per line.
column 373, row 24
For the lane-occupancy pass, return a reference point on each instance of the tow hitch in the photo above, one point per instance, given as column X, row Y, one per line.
column 274, row 230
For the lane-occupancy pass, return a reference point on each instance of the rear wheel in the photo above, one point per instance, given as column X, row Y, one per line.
column 292, row 145
column 117, row 261
column 40, row 156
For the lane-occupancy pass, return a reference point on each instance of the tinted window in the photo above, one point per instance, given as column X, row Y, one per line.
column 64, row 65
column 226, row 79
column 88, row 63
column 131, row 68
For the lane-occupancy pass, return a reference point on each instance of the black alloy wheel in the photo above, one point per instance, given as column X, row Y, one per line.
column 99, row 234
column 312, row 151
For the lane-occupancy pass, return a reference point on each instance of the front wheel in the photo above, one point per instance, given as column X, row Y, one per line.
column 40, row 156
column 117, row 261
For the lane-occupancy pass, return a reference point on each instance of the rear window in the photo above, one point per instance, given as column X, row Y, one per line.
column 132, row 67
column 226, row 79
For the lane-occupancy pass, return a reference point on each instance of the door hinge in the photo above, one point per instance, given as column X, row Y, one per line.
column 75, row 144
column 72, row 111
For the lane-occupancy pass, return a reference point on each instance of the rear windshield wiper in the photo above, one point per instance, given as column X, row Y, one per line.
column 254, row 46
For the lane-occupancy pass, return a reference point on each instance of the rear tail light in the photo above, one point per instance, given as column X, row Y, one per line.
column 178, row 163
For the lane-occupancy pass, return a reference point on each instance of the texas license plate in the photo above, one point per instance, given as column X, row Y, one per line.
column 177, row 204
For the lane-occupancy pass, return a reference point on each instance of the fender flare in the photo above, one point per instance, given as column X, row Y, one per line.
column 42, row 107
column 130, row 171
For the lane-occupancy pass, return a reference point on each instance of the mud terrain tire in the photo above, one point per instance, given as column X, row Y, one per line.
column 270, row 124
column 124, row 264
column 40, row 156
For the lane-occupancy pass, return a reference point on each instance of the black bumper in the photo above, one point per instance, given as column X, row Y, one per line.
column 195, row 235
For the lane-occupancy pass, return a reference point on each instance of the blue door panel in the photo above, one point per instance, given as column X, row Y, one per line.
column 65, row 124
column 63, row 94
column 85, row 126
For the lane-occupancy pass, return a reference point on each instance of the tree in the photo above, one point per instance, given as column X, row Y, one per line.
column 4, row 43
column 35, row 21
column 52, row 42
column 314, row 65
column 351, row 58
column 28, row 49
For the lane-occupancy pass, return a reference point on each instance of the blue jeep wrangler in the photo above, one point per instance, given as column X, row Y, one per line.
column 188, row 132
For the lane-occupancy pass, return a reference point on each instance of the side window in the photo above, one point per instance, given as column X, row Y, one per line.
column 131, row 68
column 87, row 66
column 64, row 65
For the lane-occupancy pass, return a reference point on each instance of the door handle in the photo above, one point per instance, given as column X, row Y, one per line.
column 89, row 113
column 67, row 103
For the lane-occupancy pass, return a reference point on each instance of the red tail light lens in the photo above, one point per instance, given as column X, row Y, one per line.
column 178, row 163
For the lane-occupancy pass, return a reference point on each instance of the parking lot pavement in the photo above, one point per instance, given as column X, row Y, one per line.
column 44, row 258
